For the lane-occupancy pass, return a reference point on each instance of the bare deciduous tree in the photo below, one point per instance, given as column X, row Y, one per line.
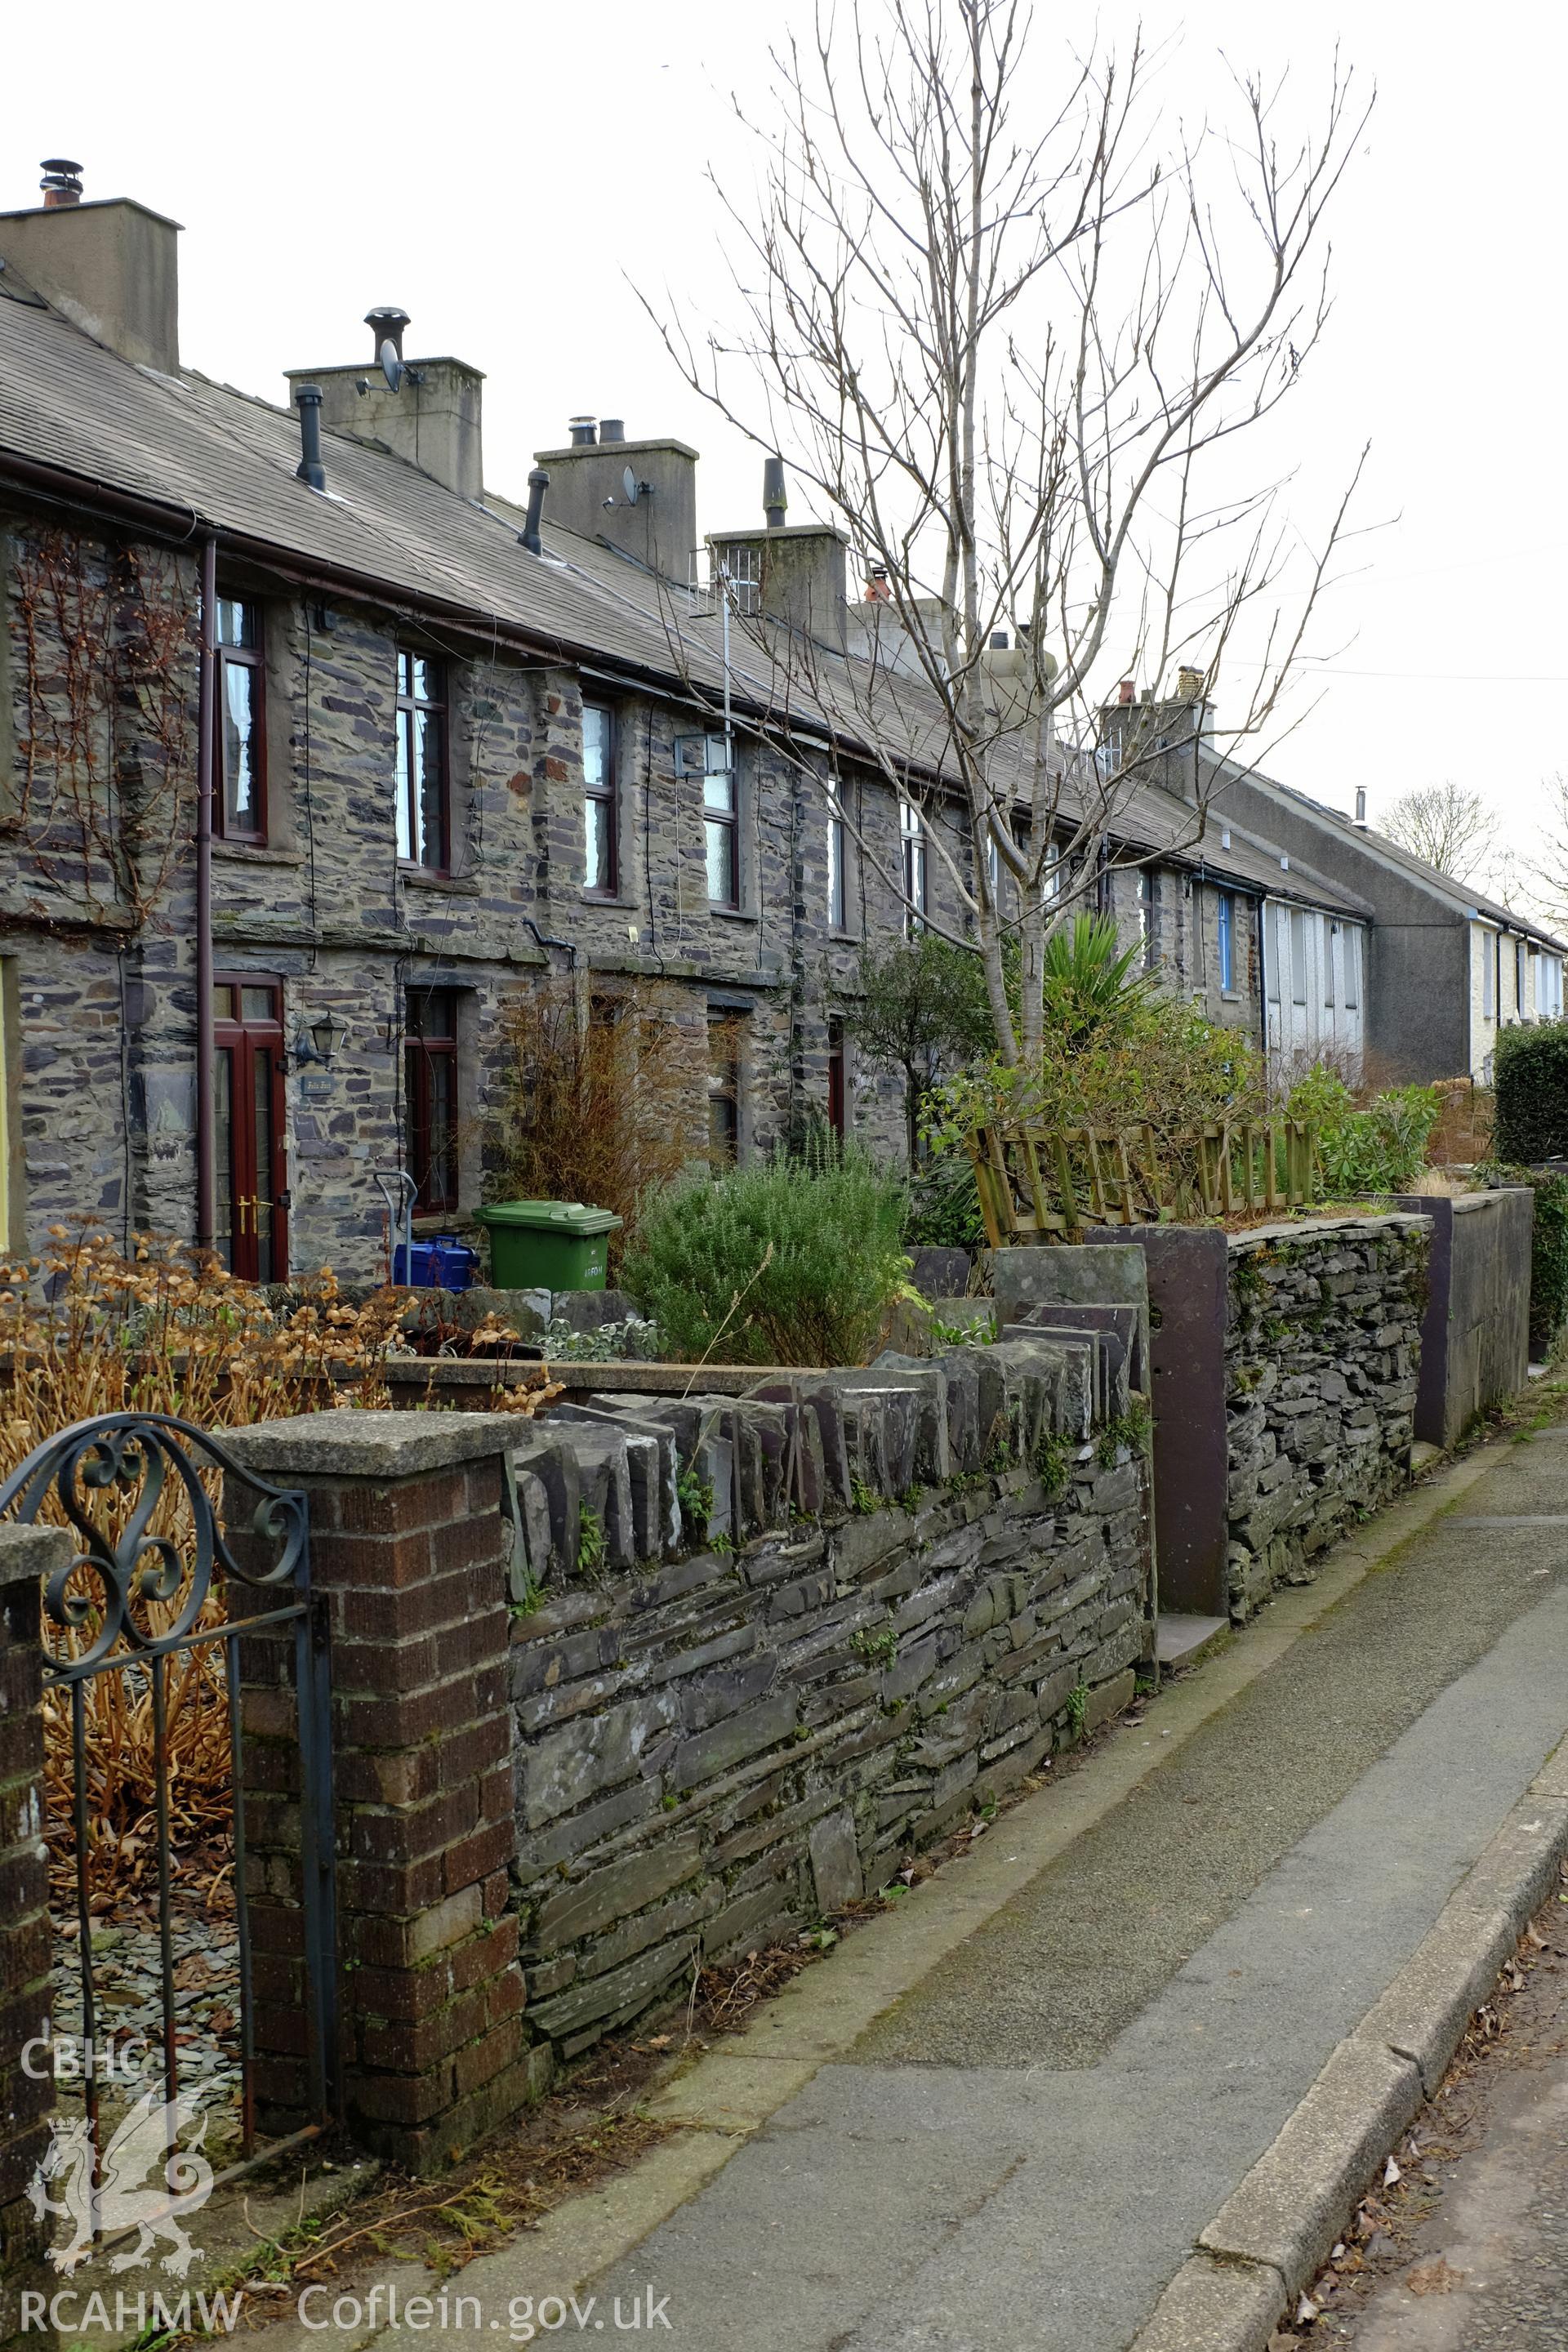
column 1546, row 875
column 1452, row 829
column 1015, row 366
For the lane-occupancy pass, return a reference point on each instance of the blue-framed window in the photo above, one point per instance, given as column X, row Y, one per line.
column 1226, row 941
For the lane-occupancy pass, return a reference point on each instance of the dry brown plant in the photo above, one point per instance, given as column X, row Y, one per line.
column 603, row 1110
column 86, row 1331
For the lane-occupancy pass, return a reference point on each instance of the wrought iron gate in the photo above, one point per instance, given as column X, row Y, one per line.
column 133, row 1602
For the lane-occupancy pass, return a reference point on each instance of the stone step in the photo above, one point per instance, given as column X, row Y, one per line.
column 1182, row 1637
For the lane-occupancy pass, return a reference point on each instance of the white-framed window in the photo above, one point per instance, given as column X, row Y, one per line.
column 1351, row 934
column 1148, row 914
column 1487, row 942
column 1298, row 955
column 1549, row 986
column 837, row 893
column 1520, row 961
column 912, row 849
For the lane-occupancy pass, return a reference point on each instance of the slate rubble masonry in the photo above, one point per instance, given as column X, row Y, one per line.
column 717, row 1748
column 1321, row 1358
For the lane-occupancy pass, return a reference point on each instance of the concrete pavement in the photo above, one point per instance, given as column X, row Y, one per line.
column 1002, row 2117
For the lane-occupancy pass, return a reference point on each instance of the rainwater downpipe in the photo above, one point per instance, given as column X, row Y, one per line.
column 206, row 722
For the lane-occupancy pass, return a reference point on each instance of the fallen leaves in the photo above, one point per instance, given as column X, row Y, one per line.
column 1434, row 2276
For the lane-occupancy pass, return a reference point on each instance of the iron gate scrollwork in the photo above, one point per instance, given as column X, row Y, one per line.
column 155, row 1538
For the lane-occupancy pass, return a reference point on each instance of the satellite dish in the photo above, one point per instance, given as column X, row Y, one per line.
column 629, row 483
column 391, row 365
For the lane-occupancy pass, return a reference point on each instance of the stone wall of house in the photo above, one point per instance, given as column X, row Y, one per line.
column 104, row 989
column 913, row 1583
column 1323, row 1354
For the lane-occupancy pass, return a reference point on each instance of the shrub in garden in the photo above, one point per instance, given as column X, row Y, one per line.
column 1530, row 1069
column 920, row 1009
column 599, row 1110
column 1155, row 1062
column 794, row 1260
column 1380, row 1148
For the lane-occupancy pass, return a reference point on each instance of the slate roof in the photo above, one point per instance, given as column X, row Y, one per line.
column 226, row 460
column 1366, row 840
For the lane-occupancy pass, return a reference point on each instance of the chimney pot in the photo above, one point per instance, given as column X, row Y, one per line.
column 584, row 431
column 1124, row 693
column 612, row 428
column 386, row 325
column 1361, row 804
column 775, row 498
column 62, row 183
column 877, row 589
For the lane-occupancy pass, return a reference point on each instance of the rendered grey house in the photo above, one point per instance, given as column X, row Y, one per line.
column 1442, row 968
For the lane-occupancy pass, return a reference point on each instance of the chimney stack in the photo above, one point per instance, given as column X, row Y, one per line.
column 1125, row 693
column 1189, row 684
column 657, row 527
column 110, row 267
column 428, row 412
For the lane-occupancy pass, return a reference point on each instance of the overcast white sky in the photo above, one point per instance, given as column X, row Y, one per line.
column 510, row 173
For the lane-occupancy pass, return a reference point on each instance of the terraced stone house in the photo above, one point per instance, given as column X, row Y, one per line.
column 454, row 748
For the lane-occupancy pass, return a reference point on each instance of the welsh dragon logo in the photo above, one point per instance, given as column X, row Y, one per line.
column 122, row 2199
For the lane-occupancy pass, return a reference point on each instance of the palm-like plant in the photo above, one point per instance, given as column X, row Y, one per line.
column 1090, row 982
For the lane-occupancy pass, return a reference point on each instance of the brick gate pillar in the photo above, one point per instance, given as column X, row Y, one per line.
column 27, row 1555
column 409, row 1548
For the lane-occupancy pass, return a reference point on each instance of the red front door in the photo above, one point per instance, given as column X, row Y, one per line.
column 250, row 1198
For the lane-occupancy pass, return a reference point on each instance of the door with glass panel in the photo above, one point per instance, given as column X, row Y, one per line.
column 250, row 1202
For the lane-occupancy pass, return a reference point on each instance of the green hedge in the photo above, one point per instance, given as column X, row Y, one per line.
column 1532, row 1075
column 1548, row 1251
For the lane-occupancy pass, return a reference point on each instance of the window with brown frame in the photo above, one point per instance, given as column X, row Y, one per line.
column 424, row 816
column 600, row 843
column 723, row 1089
column 430, row 1078
column 239, row 801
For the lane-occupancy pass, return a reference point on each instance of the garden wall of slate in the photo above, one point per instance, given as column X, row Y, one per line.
column 1322, row 1355
column 907, row 1586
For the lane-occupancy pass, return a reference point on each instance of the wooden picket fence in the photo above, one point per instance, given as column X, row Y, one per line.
column 1039, row 1183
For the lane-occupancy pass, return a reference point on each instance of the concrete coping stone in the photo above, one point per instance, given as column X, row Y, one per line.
column 33, row 1551
column 1310, row 1229
column 343, row 1443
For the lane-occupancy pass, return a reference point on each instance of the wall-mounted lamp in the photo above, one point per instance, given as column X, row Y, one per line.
column 320, row 1040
